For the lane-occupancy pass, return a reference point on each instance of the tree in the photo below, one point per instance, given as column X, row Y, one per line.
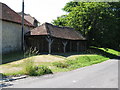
column 61, row 21
column 97, row 21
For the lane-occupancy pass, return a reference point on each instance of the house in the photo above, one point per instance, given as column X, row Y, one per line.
column 30, row 19
column 51, row 38
column 11, row 30
column 45, row 38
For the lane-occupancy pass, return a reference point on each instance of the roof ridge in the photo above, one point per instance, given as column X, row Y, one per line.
column 78, row 32
column 46, row 27
column 6, row 6
column 59, row 26
column 53, row 31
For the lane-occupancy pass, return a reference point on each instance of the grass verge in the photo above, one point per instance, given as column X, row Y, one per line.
column 45, row 64
column 80, row 61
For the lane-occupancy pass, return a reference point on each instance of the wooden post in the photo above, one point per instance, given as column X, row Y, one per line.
column 64, row 44
column 50, row 41
column 42, row 44
column 78, row 46
column 70, row 46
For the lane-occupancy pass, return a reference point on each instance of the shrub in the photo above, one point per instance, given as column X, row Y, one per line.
column 60, row 65
column 33, row 70
column 29, row 68
column 41, row 70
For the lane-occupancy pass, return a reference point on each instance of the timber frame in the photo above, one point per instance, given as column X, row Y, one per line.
column 51, row 39
column 50, row 44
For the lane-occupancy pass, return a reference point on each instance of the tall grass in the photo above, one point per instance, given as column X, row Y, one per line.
column 28, row 67
column 80, row 61
column 36, row 69
column 60, row 64
column 31, row 52
column 33, row 70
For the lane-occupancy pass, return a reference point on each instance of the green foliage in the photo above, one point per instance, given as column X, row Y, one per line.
column 33, row 70
column 18, row 73
column 61, row 21
column 106, row 52
column 99, row 22
column 85, row 61
column 93, row 56
column 29, row 67
column 60, row 64
column 41, row 70
column 69, row 6
column 111, row 51
column 78, row 62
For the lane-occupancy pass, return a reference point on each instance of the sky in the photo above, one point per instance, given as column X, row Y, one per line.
column 42, row 10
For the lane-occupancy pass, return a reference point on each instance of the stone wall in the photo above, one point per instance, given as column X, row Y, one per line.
column 11, row 36
column 0, row 42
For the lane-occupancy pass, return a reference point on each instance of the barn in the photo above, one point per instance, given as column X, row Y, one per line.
column 11, row 30
column 50, row 38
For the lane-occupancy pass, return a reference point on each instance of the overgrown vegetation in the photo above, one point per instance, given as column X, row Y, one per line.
column 37, row 70
column 78, row 62
column 60, row 64
column 46, row 64
column 106, row 52
column 14, row 56
column 33, row 70
column 29, row 68
column 99, row 22
column 31, row 52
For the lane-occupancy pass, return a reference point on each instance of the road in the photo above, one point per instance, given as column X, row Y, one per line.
column 103, row 75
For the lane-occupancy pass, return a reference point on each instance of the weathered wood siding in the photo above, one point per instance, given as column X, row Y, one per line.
column 41, row 44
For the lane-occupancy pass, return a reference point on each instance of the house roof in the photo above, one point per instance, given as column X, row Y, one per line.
column 28, row 17
column 10, row 15
column 58, row 32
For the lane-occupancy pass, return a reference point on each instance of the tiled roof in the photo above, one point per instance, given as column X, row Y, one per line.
column 10, row 15
column 30, row 19
column 58, row 32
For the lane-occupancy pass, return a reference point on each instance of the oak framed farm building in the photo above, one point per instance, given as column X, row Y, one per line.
column 50, row 38
column 45, row 38
column 11, row 31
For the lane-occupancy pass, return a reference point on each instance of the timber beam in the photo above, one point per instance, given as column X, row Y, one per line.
column 50, row 41
column 64, row 44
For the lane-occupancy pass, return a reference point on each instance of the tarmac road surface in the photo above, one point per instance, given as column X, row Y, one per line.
column 102, row 75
